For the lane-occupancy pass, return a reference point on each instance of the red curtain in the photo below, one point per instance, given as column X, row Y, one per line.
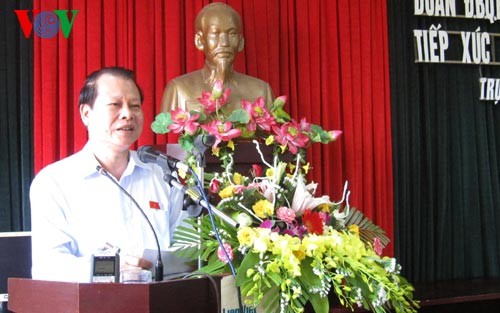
column 329, row 57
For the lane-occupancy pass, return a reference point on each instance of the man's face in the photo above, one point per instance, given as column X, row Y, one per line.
column 221, row 39
column 116, row 118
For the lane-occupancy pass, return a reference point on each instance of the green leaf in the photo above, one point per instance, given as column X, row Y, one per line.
column 249, row 261
column 319, row 134
column 281, row 116
column 202, row 114
column 161, row 122
column 320, row 304
column 239, row 116
column 212, row 268
column 278, row 103
column 308, row 278
column 367, row 229
column 186, row 142
column 270, row 301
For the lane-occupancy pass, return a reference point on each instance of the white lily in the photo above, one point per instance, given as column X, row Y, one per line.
column 341, row 216
column 303, row 198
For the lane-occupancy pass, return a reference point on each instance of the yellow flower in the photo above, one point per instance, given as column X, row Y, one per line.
column 238, row 178
column 250, row 272
column 274, row 266
column 263, row 208
column 262, row 243
column 246, row 236
column 306, row 168
column 227, row 192
column 270, row 140
column 230, row 144
column 314, row 245
column 299, row 254
column 216, row 151
column 353, row 228
column 270, row 172
column 291, row 264
column 297, row 291
column 324, row 207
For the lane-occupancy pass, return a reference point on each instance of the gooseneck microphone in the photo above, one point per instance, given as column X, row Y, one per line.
column 148, row 154
column 201, row 143
column 159, row 263
column 198, row 199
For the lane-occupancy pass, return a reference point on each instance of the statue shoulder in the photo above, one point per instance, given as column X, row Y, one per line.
column 250, row 80
column 186, row 81
column 250, row 88
column 181, row 90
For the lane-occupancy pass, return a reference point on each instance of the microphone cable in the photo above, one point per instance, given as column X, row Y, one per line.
column 159, row 263
column 217, row 236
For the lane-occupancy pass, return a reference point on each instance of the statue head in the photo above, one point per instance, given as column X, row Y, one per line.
column 219, row 35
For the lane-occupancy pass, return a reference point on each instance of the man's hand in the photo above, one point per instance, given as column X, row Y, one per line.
column 134, row 262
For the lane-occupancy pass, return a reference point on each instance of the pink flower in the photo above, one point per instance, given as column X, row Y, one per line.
column 325, row 217
column 304, row 125
column 213, row 101
column 214, row 185
column 217, row 90
column 335, row 134
column 270, row 225
column 259, row 115
column 239, row 189
column 292, row 134
column 377, row 246
column 286, row 214
column 257, row 170
column 222, row 255
column 281, row 100
column 183, row 121
column 267, row 224
column 221, row 131
column 295, row 230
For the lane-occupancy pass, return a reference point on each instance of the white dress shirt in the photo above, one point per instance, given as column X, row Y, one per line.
column 75, row 210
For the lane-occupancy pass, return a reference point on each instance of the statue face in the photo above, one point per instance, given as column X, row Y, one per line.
column 221, row 38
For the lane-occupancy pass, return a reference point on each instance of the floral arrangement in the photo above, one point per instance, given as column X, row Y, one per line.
column 291, row 247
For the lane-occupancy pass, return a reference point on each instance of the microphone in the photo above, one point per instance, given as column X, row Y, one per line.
column 148, row 154
column 203, row 142
column 159, row 263
column 198, row 199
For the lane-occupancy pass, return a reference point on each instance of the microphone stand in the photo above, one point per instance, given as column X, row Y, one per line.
column 200, row 172
column 201, row 199
column 159, row 263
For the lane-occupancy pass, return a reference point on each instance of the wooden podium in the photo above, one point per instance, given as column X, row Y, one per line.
column 245, row 155
column 182, row 295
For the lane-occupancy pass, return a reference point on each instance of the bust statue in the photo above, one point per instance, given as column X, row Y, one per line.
column 219, row 35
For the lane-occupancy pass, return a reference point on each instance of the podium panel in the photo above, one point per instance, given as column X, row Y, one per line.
column 245, row 155
column 186, row 295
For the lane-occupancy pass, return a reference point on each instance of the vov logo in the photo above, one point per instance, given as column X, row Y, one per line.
column 46, row 23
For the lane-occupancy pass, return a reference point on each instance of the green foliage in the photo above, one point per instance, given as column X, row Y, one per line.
column 161, row 122
column 368, row 231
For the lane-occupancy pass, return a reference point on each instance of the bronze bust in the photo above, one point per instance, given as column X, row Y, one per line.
column 219, row 35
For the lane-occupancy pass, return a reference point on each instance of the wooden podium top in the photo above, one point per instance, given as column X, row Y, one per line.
column 183, row 295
